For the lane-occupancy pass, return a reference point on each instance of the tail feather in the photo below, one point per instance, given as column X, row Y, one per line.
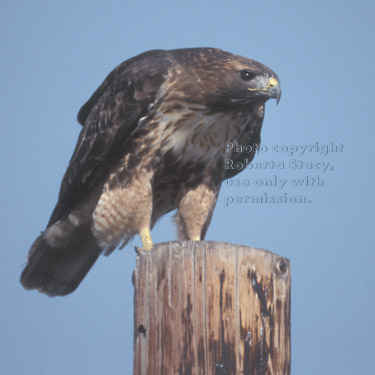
column 58, row 270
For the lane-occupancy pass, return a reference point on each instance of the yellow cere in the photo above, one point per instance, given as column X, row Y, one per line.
column 272, row 82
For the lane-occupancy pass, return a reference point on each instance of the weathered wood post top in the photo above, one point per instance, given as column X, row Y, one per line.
column 205, row 308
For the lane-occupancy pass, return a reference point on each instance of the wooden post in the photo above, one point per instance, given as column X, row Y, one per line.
column 205, row 308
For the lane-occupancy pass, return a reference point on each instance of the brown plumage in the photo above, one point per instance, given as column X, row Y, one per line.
column 152, row 141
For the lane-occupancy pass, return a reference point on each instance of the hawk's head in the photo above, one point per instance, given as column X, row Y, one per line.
column 225, row 81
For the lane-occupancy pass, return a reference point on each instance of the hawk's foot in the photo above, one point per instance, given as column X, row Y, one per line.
column 146, row 239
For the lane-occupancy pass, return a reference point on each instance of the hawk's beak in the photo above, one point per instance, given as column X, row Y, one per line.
column 272, row 89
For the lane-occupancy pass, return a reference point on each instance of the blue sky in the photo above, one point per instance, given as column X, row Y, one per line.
column 55, row 54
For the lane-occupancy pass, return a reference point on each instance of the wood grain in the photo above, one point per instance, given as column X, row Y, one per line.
column 205, row 308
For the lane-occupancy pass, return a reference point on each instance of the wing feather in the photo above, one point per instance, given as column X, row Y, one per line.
column 251, row 138
column 108, row 121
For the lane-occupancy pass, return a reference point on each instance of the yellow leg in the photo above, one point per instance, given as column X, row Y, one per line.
column 196, row 239
column 146, row 239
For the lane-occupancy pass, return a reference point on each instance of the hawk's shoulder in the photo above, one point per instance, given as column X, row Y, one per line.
column 108, row 121
column 139, row 69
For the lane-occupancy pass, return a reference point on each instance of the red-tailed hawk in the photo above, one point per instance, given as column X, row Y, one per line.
column 152, row 141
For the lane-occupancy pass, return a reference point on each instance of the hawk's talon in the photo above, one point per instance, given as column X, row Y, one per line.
column 146, row 239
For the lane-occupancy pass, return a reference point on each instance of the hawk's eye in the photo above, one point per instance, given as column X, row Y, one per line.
column 246, row 75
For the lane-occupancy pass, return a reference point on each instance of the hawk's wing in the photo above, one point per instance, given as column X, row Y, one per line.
column 251, row 138
column 109, row 119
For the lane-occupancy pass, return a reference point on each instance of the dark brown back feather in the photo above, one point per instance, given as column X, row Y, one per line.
column 109, row 119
